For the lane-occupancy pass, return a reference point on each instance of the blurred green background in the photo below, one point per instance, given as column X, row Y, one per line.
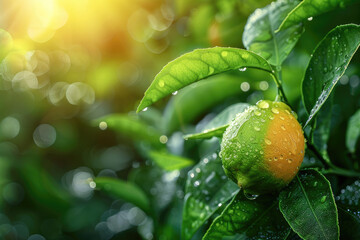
column 66, row 63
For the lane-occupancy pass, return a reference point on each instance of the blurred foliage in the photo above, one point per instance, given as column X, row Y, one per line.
column 64, row 65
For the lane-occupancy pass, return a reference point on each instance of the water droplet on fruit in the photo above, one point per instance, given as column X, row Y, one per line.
column 271, row 117
column 275, row 110
column 256, row 128
column 275, row 159
column 282, row 118
column 283, row 128
column 267, row 141
column 263, row 104
column 257, row 113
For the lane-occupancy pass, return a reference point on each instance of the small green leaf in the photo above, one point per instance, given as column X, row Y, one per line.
column 353, row 132
column 259, row 34
column 197, row 65
column 168, row 161
column 308, row 9
column 308, row 205
column 129, row 126
column 123, row 190
column 327, row 64
column 207, row 188
column 217, row 126
column 249, row 219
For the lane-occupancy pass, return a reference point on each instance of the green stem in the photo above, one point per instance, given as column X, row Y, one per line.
column 333, row 169
column 342, row 172
column 278, row 80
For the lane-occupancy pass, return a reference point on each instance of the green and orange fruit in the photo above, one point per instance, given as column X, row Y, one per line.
column 263, row 147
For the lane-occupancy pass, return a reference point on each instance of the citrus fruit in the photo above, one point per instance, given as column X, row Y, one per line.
column 263, row 147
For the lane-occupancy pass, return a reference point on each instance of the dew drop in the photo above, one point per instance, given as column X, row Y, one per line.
column 323, row 199
column 145, row 109
column 242, row 69
column 256, row 128
column 267, row 141
column 161, row 83
column 263, row 104
column 283, row 128
column 174, row 93
column 289, row 160
column 310, row 19
column 315, row 184
column 257, row 113
column 282, row 118
column 250, row 196
column 275, row 110
column 224, row 53
column 271, row 117
column 275, row 159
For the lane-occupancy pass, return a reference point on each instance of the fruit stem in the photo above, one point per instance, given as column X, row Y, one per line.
column 277, row 76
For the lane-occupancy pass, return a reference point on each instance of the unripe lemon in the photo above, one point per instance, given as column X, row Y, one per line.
column 263, row 147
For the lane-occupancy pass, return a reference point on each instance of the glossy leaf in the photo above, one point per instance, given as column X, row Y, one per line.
column 308, row 9
column 327, row 64
column 259, row 34
column 170, row 162
column 126, row 191
column 207, row 188
column 321, row 130
column 129, row 126
column 353, row 132
column 199, row 97
column 249, row 219
column 308, row 205
column 197, row 65
column 217, row 126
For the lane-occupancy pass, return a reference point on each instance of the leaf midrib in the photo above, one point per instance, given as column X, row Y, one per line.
column 312, row 210
column 276, row 49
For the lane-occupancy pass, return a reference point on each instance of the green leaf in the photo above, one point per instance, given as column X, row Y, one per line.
column 123, row 190
column 217, row 126
column 196, row 97
column 327, row 64
column 207, row 188
column 308, row 9
column 249, row 219
column 259, row 34
column 321, row 130
column 168, row 161
column 197, row 65
column 129, row 126
column 308, row 205
column 353, row 132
